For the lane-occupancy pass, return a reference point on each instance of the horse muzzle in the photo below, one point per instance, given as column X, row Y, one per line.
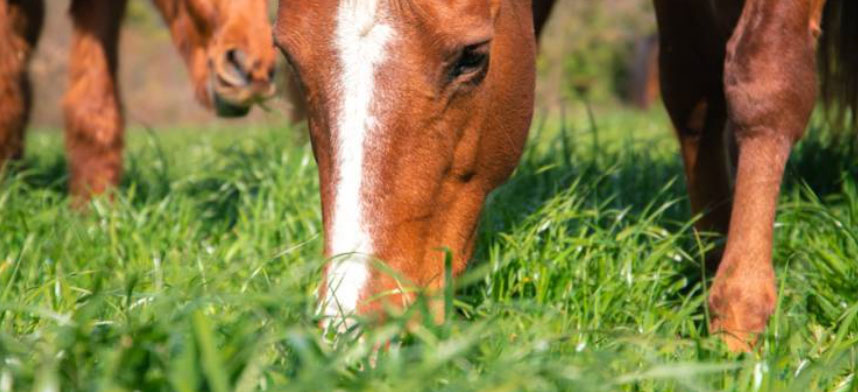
column 237, row 83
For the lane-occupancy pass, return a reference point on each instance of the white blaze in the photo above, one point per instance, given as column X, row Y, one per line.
column 361, row 39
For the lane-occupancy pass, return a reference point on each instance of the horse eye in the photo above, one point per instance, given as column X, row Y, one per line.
column 471, row 63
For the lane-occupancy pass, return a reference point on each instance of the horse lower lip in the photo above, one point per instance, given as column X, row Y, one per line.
column 232, row 80
column 225, row 83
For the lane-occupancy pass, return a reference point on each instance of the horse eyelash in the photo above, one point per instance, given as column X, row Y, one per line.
column 470, row 60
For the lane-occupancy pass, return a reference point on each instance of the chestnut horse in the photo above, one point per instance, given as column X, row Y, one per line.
column 419, row 108
column 226, row 45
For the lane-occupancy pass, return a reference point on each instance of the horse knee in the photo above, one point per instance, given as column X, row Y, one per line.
column 93, row 114
column 91, row 104
column 776, row 106
column 94, row 142
column 770, row 82
column 96, row 125
column 94, row 130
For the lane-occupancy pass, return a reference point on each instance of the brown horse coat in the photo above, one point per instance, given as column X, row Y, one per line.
column 413, row 121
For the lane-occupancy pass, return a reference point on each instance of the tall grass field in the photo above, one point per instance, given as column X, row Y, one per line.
column 200, row 274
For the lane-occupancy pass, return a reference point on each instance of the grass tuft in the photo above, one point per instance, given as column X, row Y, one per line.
column 588, row 276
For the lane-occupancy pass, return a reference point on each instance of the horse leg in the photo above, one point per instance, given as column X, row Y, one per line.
column 20, row 26
column 770, row 86
column 93, row 112
column 692, row 93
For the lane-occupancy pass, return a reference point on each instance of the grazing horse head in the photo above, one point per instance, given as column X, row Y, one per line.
column 228, row 48
column 417, row 110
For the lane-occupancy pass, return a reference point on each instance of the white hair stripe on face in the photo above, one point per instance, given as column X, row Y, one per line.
column 361, row 40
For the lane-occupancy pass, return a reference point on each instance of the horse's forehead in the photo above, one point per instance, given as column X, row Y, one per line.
column 432, row 13
column 454, row 8
column 313, row 29
column 240, row 6
column 448, row 21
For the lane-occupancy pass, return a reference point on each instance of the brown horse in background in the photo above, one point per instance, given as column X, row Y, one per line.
column 226, row 45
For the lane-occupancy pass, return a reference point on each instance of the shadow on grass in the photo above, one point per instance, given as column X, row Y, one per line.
column 629, row 177
column 631, row 180
column 216, row 183
column 42, row 172
column 634, row 175
column 822, row 160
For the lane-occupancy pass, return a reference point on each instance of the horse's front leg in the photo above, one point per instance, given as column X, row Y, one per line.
column 770, row 86
column 20, row 26
column 93, row 113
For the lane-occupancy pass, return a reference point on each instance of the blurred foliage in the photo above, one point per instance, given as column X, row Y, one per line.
column 588, row 47
column 142, row 15
column 586, row 51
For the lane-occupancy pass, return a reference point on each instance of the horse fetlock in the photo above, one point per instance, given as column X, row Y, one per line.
column 741, row 306
column 93, row 173
column 11, row 149
column 94, row 148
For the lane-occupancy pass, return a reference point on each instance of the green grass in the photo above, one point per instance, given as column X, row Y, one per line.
column 200, row 275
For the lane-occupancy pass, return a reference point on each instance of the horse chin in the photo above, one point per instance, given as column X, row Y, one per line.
column 227, row 109
column 236, row 101
column 222, row 102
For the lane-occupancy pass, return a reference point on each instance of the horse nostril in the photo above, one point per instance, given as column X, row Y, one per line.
column 271, row 74
column 234, row 71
